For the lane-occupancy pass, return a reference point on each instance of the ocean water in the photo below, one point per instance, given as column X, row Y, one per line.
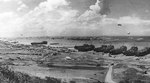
column 70, row 42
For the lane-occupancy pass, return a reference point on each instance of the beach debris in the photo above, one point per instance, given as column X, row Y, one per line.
column 14, row 42
column 55, row 54
column 65, row 50
column 68, row 58
column 145, row 72
column 11, row 59
column 19, row 58
column 98, row 65
column 119, row 24
column 139, row 39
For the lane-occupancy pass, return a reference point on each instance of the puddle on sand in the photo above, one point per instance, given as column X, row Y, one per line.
column 56, row 72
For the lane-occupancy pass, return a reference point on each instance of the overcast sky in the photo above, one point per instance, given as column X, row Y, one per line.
column 74, row 17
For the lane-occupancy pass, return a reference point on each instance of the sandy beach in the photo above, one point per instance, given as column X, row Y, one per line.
column 70, row 65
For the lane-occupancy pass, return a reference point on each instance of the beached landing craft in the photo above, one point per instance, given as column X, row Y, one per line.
column 131, row 52
column 104, row 48
column 100, row 49
column 39, row 43
column 117, row 51
column 143, row 52
column 109, row 48
column 85, row 48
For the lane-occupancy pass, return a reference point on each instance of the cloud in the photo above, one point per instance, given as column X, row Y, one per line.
column 53, row 18
column 105, row 7
column 57, row 18
column 5, row 0
column 132, row 24
column 9, row 24
column 95, row 7
column 101, row 7
column 49, row 17
column 93, row 14
column 51, row 4
column 94, row 10
column 133, row 20
column 8, row 0
column 127, row 20
column 109, row 26
column 22, row 7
